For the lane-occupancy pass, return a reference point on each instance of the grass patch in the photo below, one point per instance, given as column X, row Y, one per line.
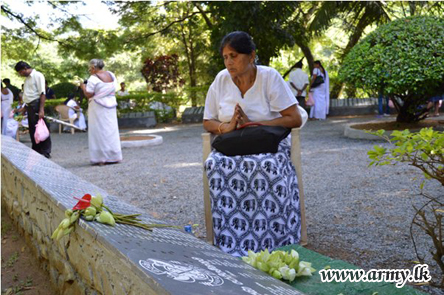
column 12, row 260
column 6, row 227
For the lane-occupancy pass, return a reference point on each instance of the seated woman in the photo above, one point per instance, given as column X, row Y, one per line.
column 255, row 198
column 75, row 111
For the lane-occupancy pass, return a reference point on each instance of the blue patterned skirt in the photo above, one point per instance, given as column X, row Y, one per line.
column 254, row 201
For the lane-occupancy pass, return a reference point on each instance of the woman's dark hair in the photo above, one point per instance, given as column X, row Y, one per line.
column 70, row 96
column 319, row 63
column 21, row 65
column 239, row 41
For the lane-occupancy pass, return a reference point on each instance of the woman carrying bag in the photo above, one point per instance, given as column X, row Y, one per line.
column 255, row 198
column 320, row 91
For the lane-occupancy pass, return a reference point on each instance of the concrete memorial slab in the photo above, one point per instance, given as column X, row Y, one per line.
column 115, row 260
column 137, row 119
column 193, row 115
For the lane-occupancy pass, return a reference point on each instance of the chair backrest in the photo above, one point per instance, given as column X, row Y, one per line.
column 295, row 159
column 63, row 110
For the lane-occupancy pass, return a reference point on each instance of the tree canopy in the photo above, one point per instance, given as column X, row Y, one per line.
column 284, row 32
column 404, row 59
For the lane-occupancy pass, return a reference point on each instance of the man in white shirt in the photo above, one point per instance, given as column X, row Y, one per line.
column 34, row 97
column 123, row 104
column 298, row 80
column 122, row 91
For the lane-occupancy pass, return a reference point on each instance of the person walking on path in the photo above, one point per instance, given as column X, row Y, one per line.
column 298, row 80
column 103, row 128
column 34, row 96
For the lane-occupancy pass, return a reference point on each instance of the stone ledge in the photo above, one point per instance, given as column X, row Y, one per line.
column 137, row 119
column 361, row 134
column 193, row 115
column 99, row 259
column 155, row 140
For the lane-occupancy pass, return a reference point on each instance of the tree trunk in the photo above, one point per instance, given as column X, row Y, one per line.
column 364, row 21
column 410, row 111
column 336, row 90
column 193, row 77
column 307, row 53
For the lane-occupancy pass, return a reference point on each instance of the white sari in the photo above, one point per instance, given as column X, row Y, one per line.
column 77, row 114
column 7, row 100
column 321, row 96
column 103, row 129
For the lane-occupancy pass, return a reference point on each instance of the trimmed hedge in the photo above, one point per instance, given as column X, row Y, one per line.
column 63, row 89
column 405, row 58
column 140, row 101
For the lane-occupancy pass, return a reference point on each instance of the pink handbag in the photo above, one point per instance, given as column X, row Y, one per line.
column 41, row 131
column 310, row 100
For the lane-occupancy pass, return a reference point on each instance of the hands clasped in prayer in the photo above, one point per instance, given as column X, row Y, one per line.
column 239, row 118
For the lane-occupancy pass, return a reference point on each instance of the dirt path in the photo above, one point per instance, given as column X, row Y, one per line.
column 21, row 271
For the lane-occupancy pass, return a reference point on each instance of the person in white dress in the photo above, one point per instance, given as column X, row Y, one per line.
column 321, row 93
column 103, row 129
column 75, row 111
column 7, row 99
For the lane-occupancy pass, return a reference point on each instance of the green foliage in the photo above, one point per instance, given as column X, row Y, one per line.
column 51, row 103
column 140, row 103
column 269, row 23
column 423, row 149
column 405, row 58
column 63, row 89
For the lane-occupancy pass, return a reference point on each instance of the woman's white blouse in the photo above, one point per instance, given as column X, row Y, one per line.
column 268, row 96
column 318, row 72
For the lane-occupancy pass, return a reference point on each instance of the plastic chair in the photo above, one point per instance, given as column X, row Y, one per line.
column 63, row 111
column 295, row 159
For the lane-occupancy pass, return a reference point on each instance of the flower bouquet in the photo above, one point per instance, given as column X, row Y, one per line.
column 279, row 264
column 92, row 208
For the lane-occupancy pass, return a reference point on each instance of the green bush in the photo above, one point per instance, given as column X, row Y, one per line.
column 63, row 89
column 423, row 150
column 50, row 105
column 405, row 58
column 141, row 103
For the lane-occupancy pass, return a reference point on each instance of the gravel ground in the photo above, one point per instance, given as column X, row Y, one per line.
column 358, row 214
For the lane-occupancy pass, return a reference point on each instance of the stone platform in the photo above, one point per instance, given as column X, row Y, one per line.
column 100, row 259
